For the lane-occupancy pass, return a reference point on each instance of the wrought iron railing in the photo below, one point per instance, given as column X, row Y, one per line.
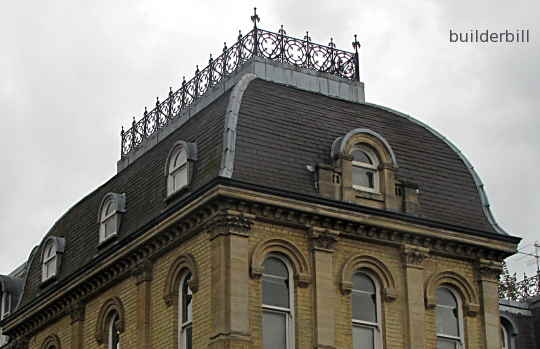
column 519, row 291
column 277, row 47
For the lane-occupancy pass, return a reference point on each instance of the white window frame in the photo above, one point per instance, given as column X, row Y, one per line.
column 289, row 312
column 460, row 340
column 105, row 218
column 48, row 259
column 377, row 336
column 112, row 320
column 174, row 170
column 183, row 326
column 505, row 340
column 371, row 167
column 5, row 310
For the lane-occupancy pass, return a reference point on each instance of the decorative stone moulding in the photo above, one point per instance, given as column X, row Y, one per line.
column 183, row 264
column 457, row 282
column 113, row 305
column 300, row 265
column 375, row 267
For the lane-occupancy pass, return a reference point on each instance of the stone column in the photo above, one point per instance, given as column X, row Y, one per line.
column 77, row 325
column 488, row 272
column 323, row 247
column 230, row 280
column 143, row 277
column 413, row 260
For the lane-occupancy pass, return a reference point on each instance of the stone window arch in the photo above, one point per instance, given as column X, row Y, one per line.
column 459, row 284
column 373, row 266
column 51, row 342
column 179, row 166
column 509, row 332
column 298, row 262
column 182, row 265
column 111, row 317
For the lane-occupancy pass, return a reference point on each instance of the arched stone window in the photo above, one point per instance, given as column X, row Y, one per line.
column 53, row 248
column 179, row 166
column 278, row 303
column 508, row 333
column 112, row 206
column 449, row 315
column 185, row 311
column 51, row 342
column 366, row 311
column 111, row 323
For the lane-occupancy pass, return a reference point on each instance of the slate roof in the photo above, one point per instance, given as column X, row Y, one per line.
column 280, row 130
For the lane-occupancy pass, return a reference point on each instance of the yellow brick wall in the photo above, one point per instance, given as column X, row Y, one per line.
column 60, row 328
column 164, row 334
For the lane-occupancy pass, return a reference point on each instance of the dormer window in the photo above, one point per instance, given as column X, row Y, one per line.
column 5, row 304
column 111, row 208
column 365, row 168
column 179, row 169
column 50, row 258
column 49, row 261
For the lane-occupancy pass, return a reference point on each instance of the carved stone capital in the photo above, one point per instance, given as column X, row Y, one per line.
column 143, row 272
column 229, row 223
column 323, row 239
column 489, row 270
column 414, row 256
column 77, row 312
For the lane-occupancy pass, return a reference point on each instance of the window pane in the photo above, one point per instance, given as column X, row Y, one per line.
column 446, row 344
column 445, row 297
column 364, row 307
column 363, row 282
column 447, row 321
column 275, row 292
column 188, row 337
column 187, row 305
column 179, row 159
column 362, row 177
column 110, row 227
column 363, row 337
column 274, row 330
column 360, row 156
column 180, row 178
column 274, row 266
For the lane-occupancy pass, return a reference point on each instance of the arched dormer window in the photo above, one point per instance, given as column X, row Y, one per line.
column 365, row 168
column 51, row 257
column 449, row 319
column 5, row 304
column 179, row 169
column 278, row 313
column 111, row 209
column 362, row 171
column 185, row 312
column 366, row 311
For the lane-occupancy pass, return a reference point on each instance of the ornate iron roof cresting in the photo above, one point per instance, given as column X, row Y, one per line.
column 277, row 47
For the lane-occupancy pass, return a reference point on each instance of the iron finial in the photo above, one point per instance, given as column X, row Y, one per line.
column 183, row 81
column 122, row 131
column 239, row 35
column 157, row 101
column 197, row 70
column 134, row 122
column 170, row 91
column 210, row 60
column 255, row 18
column 282, row 31
column 224, row 46
column 307, row 38
column 356, row 44
column 331, row 43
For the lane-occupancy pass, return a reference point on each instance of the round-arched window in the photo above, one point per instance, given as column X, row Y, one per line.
column 449, row 319
column 365, row 312
column 365, row 168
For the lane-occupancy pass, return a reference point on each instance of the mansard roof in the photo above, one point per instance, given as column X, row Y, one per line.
column 263, row 133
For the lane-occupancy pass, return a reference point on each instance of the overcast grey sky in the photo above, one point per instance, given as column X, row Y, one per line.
column 72, row 72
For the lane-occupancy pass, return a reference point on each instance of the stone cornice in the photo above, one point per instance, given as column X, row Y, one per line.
column 228, row 210
column 414, row 256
